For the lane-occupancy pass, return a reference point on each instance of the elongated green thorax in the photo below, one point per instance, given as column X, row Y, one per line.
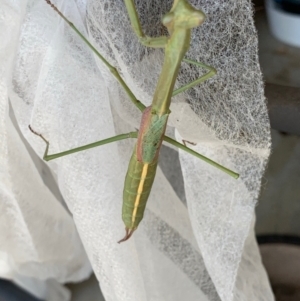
column 179, row 22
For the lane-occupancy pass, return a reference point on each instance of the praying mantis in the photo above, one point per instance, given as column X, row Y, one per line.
column 179, row 22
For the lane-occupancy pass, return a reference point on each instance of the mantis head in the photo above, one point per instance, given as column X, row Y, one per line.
column 183, row 15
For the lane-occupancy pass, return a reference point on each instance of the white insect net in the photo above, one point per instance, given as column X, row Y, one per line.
column 203, row 249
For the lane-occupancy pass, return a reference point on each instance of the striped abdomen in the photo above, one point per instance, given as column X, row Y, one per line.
column 138, row 183
column 142, row 169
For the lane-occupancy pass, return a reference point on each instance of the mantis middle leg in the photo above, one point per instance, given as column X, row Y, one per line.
column 201, row 79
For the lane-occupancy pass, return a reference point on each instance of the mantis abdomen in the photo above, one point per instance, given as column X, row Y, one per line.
column 142, row 169
column 138, row 183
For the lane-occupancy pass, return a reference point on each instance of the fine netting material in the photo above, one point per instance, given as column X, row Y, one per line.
column 40, row 247
column 205, row 252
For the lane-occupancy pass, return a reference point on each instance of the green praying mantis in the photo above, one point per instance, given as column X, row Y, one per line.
column 143, row 163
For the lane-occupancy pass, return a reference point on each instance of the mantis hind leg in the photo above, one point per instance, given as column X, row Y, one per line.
column 47, row 157
column 199, row 156
column 211, row 72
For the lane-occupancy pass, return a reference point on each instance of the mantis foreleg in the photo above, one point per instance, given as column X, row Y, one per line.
column 158, row 42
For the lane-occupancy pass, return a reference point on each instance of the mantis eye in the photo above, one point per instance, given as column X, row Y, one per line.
column 167, row 19
column 196, row 19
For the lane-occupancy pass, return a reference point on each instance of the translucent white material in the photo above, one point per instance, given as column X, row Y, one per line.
column 205, row 252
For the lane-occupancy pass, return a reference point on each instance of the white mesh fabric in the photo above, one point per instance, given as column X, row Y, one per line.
column 205, row 252
column 40, row 245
